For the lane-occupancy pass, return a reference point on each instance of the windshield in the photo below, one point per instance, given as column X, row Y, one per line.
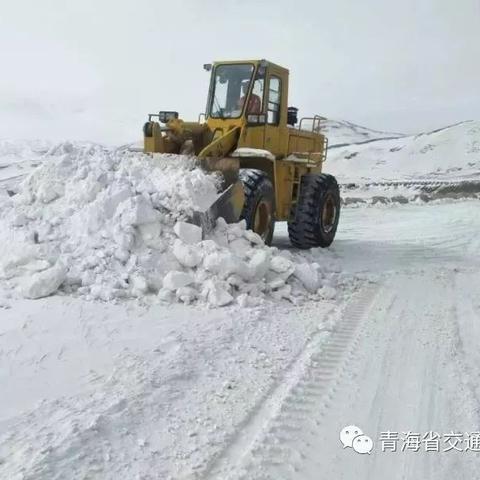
column 231, row 84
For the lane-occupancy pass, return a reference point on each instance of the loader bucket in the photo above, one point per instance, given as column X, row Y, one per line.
column 227, row 166
column 228, row 205
column 213, row 157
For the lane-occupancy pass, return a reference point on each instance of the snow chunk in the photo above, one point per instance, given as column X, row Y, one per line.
column 225, row 264
column 253, row 237
column 20, row 220
column 281, row 264
column 259, row 263
column 137, row 211
column 174, row 280
column 151, row 235
column 139, row 284
column 327, row 292
column 186, row 294
column 188, row 233
column 186, row 254
column 216, row 293
column 308, row 276
column 43, row 284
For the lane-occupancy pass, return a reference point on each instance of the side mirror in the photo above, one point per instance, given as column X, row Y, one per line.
column 207, row 67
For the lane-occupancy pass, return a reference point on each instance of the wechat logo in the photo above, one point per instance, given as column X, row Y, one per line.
column 353, row 437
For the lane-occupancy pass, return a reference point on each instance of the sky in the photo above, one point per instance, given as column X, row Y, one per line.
column 93, row 69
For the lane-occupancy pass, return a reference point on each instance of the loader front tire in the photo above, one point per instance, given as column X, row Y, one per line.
column 259, row 207
column 314, row 219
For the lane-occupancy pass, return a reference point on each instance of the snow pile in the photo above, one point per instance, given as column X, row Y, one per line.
column 110, row 224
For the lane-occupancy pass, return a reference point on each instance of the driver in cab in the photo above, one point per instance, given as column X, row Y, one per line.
column 254, row 103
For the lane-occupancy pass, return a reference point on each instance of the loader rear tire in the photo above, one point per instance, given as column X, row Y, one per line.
column 259, row 207
column 314, row 219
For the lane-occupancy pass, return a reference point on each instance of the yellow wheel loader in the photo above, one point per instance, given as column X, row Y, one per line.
column 271, row 168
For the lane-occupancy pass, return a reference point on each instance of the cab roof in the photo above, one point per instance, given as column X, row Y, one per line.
column 255, row 62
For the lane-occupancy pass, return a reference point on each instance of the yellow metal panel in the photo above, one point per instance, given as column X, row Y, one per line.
column 284, row 172
column 224, row 124
column 222, row 145
column 304, row 142
column 252, row 137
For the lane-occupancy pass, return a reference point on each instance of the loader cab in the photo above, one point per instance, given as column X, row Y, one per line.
column 253, row 95
column 230, row 93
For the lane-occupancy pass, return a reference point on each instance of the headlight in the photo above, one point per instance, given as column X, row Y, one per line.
column 256, row 118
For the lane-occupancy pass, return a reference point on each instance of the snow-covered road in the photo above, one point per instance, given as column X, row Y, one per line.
column 401, row 358
column 403, row 361
column 188, row 393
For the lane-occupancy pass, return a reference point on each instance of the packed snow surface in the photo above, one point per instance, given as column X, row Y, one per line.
column 109, row 224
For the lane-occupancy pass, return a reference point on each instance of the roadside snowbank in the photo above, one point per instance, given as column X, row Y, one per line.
column 109, row 224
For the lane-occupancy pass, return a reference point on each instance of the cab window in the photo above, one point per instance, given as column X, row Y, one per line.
column 274, row 96
column 255, row 104
column 230, row 86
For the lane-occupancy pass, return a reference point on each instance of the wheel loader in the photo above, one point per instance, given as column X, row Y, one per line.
column 270, row 163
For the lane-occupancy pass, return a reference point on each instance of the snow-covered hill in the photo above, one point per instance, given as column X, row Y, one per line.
column 342, row 132
column 451, row 153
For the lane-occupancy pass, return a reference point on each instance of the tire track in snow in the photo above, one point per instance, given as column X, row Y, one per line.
column 310, row 380
column 405, row 369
